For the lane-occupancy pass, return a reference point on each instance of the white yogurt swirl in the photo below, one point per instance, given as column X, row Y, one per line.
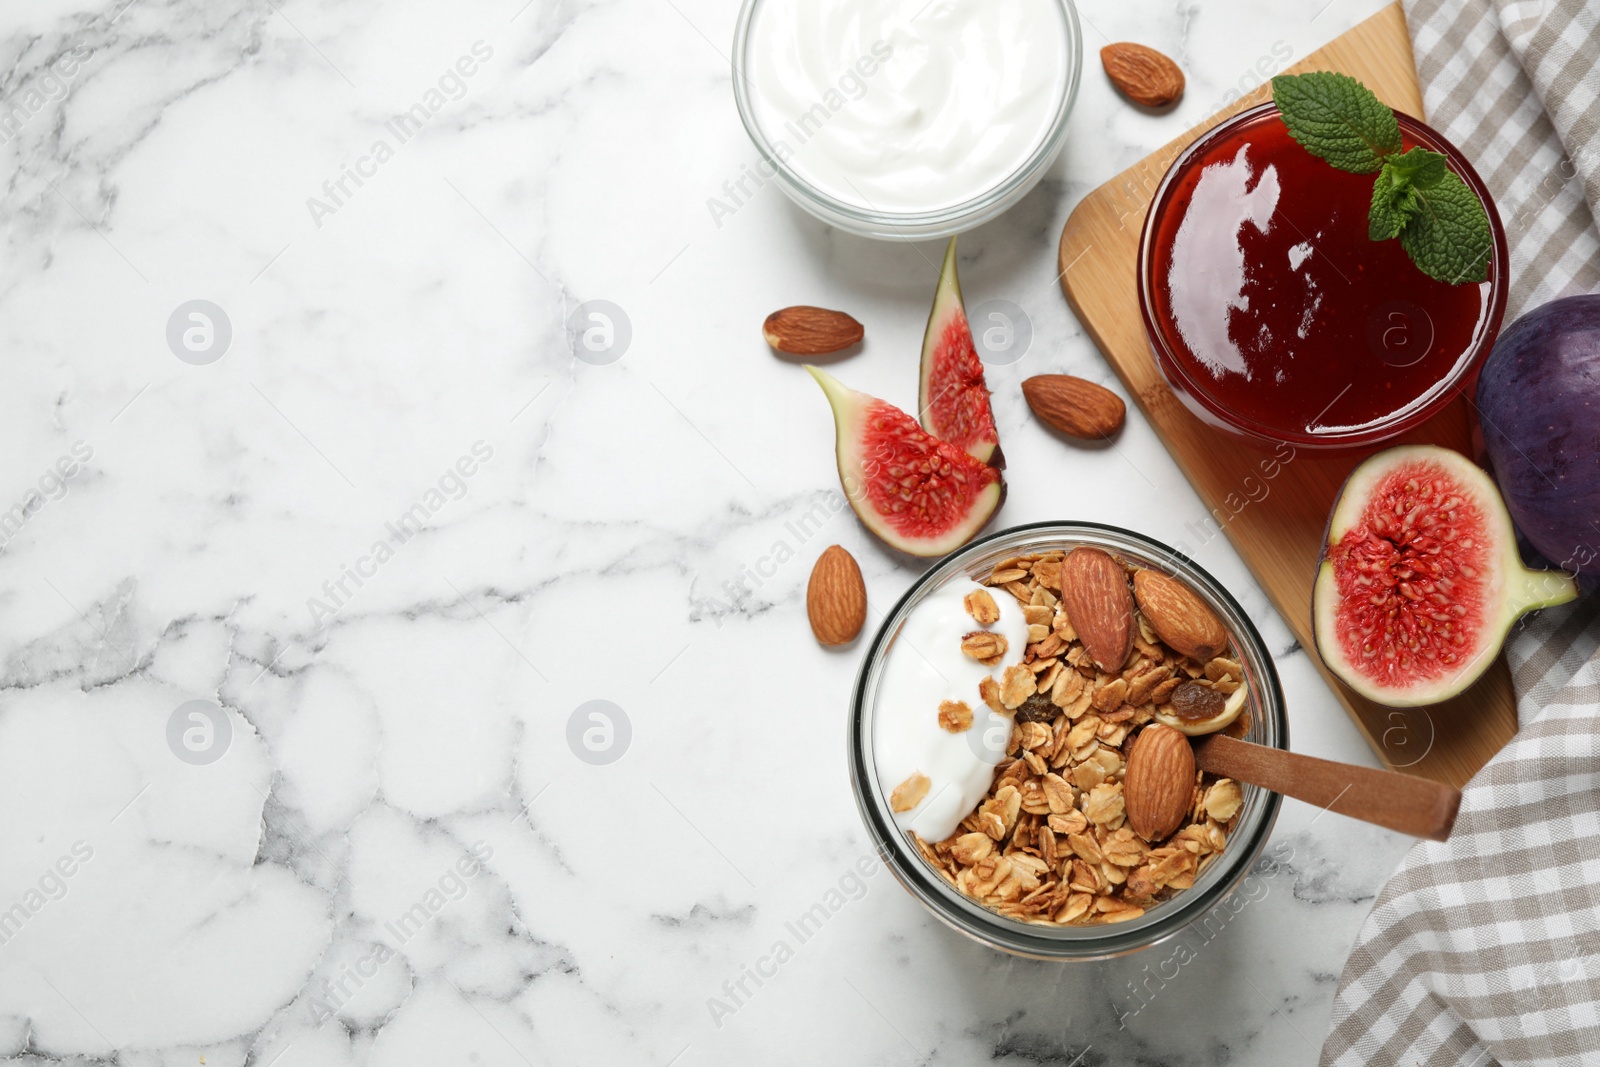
column 925, row 667
column 906, row 105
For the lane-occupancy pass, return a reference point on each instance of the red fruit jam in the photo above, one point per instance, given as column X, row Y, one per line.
column 1272, row 313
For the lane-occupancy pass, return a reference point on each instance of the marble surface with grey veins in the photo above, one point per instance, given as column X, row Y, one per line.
column 319, row 545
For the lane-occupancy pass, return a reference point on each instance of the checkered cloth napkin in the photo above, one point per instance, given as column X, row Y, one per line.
column 1485, row 949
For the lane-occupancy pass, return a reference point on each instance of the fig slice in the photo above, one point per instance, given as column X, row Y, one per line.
column 952, row 397
column 921, row 495
column 1419, row 579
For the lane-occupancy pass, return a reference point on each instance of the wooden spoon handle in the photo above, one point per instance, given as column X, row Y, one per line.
column 1402, row 802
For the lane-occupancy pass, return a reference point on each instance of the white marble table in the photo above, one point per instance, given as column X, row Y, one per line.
column 400, row 535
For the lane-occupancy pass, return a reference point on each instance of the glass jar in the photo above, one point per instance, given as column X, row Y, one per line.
column 1268, row 726
column 1304, row 330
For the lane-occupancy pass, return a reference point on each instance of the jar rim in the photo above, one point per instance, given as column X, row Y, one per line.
column 1175, row 367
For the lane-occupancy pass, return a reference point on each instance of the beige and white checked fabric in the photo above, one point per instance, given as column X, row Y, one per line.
column 1485, row 950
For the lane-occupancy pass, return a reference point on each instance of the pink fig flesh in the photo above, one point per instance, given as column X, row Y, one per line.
column 917, row 493
column 1420, row 579
column 952, row 396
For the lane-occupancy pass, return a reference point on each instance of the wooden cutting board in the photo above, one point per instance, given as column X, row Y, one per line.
column 1278, row 534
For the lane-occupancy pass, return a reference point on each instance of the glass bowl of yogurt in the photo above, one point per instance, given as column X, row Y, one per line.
column 904, row 118
column 919, row 659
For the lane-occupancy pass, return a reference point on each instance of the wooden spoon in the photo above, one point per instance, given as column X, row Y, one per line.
column 1402, row 802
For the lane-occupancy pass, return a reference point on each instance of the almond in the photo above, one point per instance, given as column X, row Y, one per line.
column 1142, row 74
column 1074, row 406
column 1178, row 616
column 809, row 331
column 1158, row 787
column 836, row 598
column 1094, row 592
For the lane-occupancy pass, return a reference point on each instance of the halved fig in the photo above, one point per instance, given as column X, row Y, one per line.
column 919, row 494
column 1420, row 579
column 952, row 399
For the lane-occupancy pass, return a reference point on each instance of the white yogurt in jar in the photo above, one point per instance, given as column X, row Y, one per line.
column 906, row 105
column 925, row 667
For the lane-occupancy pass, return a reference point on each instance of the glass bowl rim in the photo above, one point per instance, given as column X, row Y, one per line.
column 932, row 223
column 1444, row 391
column 1033, row 940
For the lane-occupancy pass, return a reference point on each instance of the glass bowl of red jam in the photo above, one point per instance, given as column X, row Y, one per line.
column 1272, row 314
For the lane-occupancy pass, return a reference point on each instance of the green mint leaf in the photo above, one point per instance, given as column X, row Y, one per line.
column 1336, row 118
column 1441, row 224
column 1394, row 201
column 1449, row 238
column 1419, row 167
column 1395, row 196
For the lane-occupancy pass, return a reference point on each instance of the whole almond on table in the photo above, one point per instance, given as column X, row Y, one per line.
column 1094, row 592
column 1158, row 786
column 810, row 331
column 836, row 598
column 1075, row 406
column 1142, row 74
column 1178, row 616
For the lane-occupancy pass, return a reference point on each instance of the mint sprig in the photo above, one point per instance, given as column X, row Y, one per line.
column 1336, row 118
column 1398, row 194
column 1440, row 222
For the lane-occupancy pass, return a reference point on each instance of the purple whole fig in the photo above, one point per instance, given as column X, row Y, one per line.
column 1539, row 408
